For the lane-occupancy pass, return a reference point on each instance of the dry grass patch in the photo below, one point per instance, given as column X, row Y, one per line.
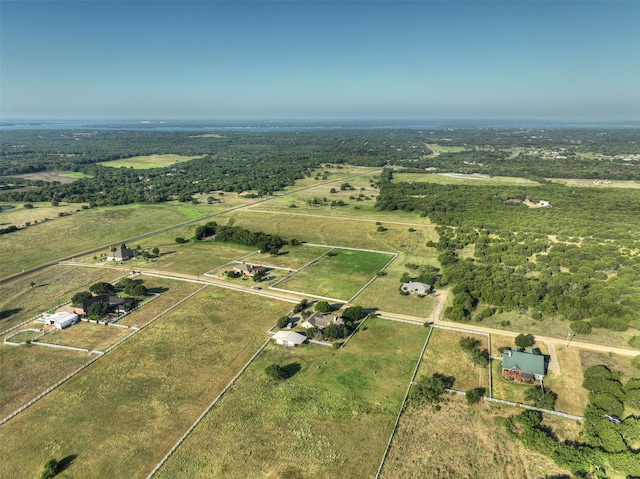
column 445, row 356
column 123, row 413
column 461, row 441
column 332, row 418
column 28, row 370
column 86, row 335
column 20, row 301
column 572, row 397
column 150, row 161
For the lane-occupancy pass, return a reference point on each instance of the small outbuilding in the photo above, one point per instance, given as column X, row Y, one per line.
column 415, row 287
column 60, row 320
column 289, row 339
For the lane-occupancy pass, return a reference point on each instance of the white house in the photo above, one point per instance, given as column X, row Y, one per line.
column 415, row 287
column 289, row 339
column 60, row 320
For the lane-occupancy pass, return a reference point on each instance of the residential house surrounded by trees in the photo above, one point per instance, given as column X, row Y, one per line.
column 523, row 366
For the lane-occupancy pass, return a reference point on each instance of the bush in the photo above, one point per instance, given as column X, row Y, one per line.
column 634, row 342
column 581, row 327
column 474, row 396
column 50, row 469
column 180, row 240
column 636, row 362
column 282, row 322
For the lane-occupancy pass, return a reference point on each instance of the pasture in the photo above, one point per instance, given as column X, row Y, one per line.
column 20, row 300
column 86, row 335
column 332, row 418
column 139, row 398
column 339, row 274
column 462, row 441
column 457, row 179
column 49, row 240
column 146, row 162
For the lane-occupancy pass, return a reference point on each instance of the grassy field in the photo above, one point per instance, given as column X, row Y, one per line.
column 150, row 161
column 27, row 370
column 462, row 441
column 445, row 356
column 119, row 416
column 572, row 398
column 339, row 276
column 331, row 419
column 437, row 149
column 20, row 301
column 49, row 241
column 76, row 175
column 445, row 179
column 590, row 183
column 294, row 257
column 86, row 335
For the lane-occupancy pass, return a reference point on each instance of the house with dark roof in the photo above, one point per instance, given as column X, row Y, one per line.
column 114, row 303
column 321, row 320
column 248, row 270
column 122, row 253
column 523, row 366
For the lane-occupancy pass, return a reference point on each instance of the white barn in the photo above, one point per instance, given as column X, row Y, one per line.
column 289, row 339
column 61, row 319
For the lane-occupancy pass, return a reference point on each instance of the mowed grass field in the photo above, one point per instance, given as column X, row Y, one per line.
column 331, row 419
column 460, row 441
column 20, row 301
column 69, row 235
column 445, row 356
column 120, row 416
column 457, row 179
column 339, row 276
column 28, row 370
column 150, row 161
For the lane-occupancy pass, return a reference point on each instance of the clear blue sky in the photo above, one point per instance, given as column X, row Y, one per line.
column 305, row 59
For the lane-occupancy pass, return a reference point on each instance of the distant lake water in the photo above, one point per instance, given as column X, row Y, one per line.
column 299, row 125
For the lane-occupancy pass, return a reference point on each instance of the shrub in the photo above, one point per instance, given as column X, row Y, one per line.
column 581, row 327
column 180, row 240
column 474, row 396
column 634, row 342
column 282, row 322
column 50, row 469
column 636, row 362
column 607, row 402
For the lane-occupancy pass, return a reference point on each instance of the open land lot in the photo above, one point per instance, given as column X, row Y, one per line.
column 86, row 335
column 339, row 276
column 445, row 356
column 28, row 370
column 297, row 427
column 598, row 184
column 150, row 161
column 141, row 397
column 49, row 241
column 462, row 441
column 20, row 301
column 61, row 176
column 456, row 179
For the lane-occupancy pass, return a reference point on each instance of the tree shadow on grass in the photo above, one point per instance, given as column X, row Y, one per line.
column 291, row 369
column 7, row 313
column 66, row 462
column 158, row 290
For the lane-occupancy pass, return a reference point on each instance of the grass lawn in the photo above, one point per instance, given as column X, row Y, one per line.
column 76, row 175
column 445, row 356
column 172, row 292
column 331, row 419
column 293, row 257
column 445, row 179
column 20, row 301
column 146, row 162
column 462, row 441
column 123, row 413
column 86, row 335
column 28, row 370
column 504, row 389
column 572, row 397
column 339, row 276
column 49, row 241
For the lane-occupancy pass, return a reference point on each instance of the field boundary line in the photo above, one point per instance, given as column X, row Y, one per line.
column 92, row 360
column 395, row 255
column 404, row 402
column 206, row 411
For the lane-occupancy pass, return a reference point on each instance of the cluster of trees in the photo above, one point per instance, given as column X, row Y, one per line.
column 429, row 390
column 127, row 285
column 133, row 287
column 610, row 440
column 592, row 284
column 471, row 348
column 236, row 234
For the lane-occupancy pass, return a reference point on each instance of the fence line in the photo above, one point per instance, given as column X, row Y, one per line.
column 206, row 411
column 404, row 402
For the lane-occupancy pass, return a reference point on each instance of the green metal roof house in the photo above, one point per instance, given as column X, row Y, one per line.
column 524, row 366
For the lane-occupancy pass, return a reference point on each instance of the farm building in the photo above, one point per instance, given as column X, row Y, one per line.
column 122, row 253
column 523, row 366
column 414, row 287
column 289, row 339
column 321, row 321
column 248, row 270
column 60, row 320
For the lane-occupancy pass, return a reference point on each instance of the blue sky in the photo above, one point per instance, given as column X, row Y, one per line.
column 304, row 59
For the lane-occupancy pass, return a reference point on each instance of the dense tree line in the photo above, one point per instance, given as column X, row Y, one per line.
column 610, row 438
column 234, row 234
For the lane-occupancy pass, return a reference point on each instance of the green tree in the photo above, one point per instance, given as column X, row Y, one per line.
column 354, row 313
column 473, row 396
column 98, row 309
column 180, row 240
column 102, row 288
column 282, row 321
column 322, row 307
column 81, row 297
column 545, row 399
column 429, row 389
column 49, row 470
column 524, row 340
column 155, row 251
column 274, row 371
